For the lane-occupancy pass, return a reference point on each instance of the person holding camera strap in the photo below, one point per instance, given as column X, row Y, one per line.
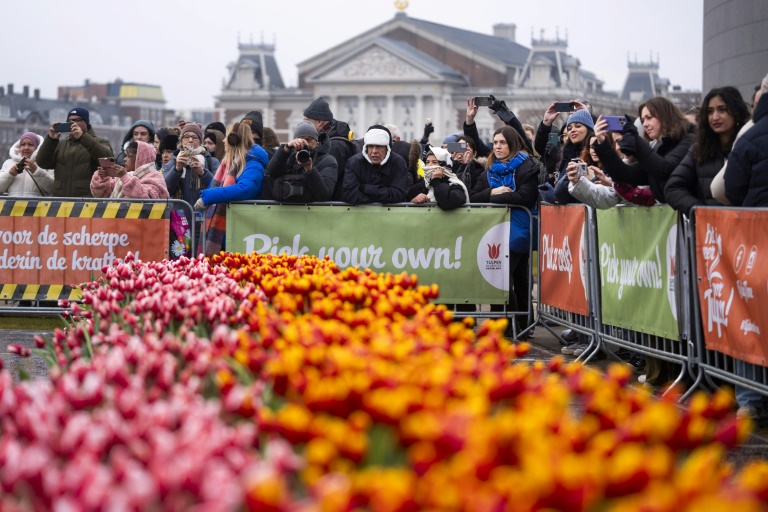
column 20, row 175
column 302, row 171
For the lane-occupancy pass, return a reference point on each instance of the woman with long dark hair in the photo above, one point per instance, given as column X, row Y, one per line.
column 723, row 113
column 578, row 131
column 511, row 177
column 667, row 135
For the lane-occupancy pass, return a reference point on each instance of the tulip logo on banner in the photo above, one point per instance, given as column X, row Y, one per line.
column 492, row 256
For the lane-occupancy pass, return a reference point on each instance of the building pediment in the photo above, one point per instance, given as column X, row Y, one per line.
column 374, row 63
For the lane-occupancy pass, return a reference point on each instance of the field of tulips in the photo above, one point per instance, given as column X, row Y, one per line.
column 282, row 383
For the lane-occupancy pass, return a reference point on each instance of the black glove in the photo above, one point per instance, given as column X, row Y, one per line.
column 628, row 142
column 629, row 127
column 501, row 110
column 551, row 157
column 429, row 129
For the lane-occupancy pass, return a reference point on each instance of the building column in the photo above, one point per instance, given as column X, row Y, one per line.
column 390, row 109
column 361, row 126
column 333, row 105
column 419, row 120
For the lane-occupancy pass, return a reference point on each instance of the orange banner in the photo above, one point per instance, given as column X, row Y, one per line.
column 562, row 258
column 732, row 282
column 64, row 250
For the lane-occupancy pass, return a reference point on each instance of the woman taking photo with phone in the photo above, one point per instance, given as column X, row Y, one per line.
column 723, row 113
column 511, row 177
column 578, row 130
column 664, row 126
column 20, row 175
column 139, row 179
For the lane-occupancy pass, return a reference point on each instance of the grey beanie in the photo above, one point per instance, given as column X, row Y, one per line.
column 305, row 129
column 319, row 110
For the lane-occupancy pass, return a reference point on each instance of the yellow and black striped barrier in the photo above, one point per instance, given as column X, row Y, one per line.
column 50, row 246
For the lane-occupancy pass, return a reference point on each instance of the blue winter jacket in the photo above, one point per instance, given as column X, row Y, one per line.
column 247, row 186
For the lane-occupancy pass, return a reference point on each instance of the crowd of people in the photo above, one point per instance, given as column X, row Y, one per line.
column 713, row 155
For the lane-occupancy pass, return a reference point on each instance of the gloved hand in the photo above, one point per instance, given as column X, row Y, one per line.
column 551, row 157
column 629, row 127
column 628, row 141
column 429, row 129
column 501, row 110
column 200, row 205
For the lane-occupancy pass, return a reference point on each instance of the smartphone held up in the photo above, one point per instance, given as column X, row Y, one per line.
column 63, row 127
column 483, row 101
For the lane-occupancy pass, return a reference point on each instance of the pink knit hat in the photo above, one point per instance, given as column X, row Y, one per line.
column 33, row 138
column 145, row 154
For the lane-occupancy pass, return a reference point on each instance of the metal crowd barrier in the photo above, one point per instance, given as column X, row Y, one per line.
column 704, row 365
column 587, row 324
column 681, row 351
column 75, row 207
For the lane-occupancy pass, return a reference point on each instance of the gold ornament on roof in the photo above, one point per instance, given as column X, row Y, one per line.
column 401, row 5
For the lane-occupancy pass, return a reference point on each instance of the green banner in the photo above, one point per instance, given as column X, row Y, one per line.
column 637, row 247
column 464, row 251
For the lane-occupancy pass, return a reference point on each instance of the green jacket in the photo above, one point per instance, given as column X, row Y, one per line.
column 73, row 162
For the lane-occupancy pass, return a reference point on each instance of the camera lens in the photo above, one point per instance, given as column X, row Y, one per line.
column 302, row 156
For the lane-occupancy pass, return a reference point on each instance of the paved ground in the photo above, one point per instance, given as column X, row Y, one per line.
column 544, row 346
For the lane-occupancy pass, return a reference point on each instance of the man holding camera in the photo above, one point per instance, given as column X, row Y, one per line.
column 377, row 175
column 75, row 158
column 302, row 171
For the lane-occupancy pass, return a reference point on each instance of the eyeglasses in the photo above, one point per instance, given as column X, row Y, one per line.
column 190, row 137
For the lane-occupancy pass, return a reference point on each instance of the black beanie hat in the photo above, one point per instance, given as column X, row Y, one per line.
column 216, row 125
column 170, row 142
column 254, row 120
column 319, row 110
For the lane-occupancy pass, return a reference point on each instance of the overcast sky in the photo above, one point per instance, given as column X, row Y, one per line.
column 185, row 45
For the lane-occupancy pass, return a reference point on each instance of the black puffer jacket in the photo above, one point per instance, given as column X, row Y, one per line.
column 746, row 177
column 342, row 149
column 287, row 181
column 653, row 166
column 368, row 183
column 525, row 194
column 689, row 185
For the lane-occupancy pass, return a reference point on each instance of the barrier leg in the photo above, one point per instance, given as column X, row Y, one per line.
column 677, row 381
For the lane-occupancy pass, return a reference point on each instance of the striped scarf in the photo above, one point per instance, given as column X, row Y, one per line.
column 216, row 224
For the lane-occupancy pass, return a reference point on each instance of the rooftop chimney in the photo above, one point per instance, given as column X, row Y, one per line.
column 37, row 94
column 10, row 89
column 2, row 91
column 505, row 31
column 26, row 91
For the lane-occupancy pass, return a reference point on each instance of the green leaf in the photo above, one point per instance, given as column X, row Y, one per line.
column 384, row 447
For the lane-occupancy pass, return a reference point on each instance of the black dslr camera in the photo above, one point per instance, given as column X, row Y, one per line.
column 302, row 156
